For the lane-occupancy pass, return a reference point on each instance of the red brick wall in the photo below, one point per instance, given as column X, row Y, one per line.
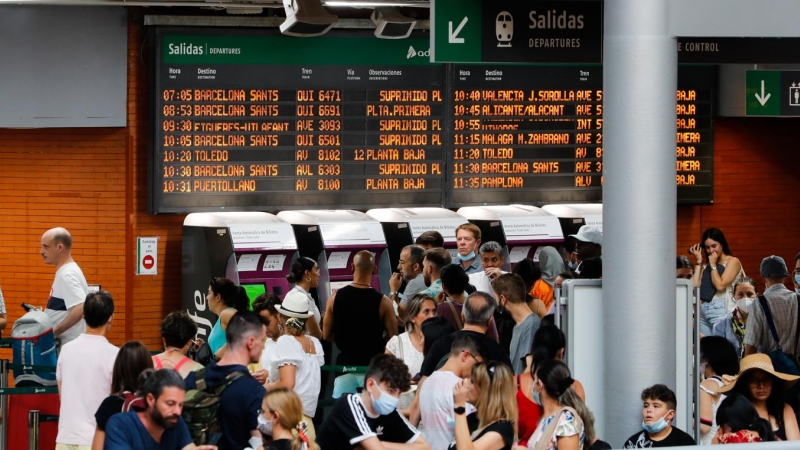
column 756, row 205
column 94, row 182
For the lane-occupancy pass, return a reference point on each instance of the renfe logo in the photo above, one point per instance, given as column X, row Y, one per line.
column 185, row 49
column 412, row 53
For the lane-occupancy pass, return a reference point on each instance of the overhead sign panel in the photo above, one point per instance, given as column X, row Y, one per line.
column 518, row 32
column 772, row 93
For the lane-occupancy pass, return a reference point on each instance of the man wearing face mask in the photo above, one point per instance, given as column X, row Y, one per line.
column 796, row 277
column 658, row 411
column 370, row 418
column 468, row 239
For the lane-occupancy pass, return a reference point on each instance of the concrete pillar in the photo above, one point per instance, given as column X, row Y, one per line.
column 639, row 208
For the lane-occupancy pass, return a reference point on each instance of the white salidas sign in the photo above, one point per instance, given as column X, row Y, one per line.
column 147, row 256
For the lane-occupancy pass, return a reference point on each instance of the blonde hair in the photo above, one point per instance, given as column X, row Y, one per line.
column 287, row 404
column 496, row 394
column 294, row 326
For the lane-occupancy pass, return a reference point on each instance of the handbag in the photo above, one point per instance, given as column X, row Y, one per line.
column 780, row 361
column 707, row 289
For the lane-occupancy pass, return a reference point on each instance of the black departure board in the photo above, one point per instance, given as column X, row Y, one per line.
column 254, row 121
column 534, row 134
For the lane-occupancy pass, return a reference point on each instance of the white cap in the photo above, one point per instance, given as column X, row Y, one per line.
column 590, row 233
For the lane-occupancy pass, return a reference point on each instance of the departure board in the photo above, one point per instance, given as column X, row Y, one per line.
column 254, row 121
column 535, row 134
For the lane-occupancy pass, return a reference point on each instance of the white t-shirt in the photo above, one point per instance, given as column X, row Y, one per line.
column 267, row 353
column 481, row 282
column 84, row 369
column 413, row 359
column 69, row 289
column 436, row 409
column 307, row 382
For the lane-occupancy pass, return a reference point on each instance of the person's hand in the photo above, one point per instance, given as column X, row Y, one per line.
column 440, row 297
column 697, row 252
column 492, row 272
column 260, row 375
column 460, row 392
column 395, row 281
column 712, row 259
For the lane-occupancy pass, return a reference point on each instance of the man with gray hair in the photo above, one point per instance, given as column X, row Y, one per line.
column 491, row 256
column 778, row 302
column 476, row 314
column 69, row 290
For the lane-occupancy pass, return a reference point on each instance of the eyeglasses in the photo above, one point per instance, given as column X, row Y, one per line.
column 766, row 381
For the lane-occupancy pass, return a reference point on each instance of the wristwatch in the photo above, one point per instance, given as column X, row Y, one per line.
column 394, row 294
column 459, row 410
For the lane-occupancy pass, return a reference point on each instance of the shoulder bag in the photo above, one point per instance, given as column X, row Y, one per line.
column 780, row 361
column 547, row 434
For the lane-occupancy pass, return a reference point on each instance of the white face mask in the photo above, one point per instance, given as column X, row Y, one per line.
column 745, row 304
column 264, row 425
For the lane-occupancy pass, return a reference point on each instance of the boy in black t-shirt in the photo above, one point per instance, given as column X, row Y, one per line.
column 658, row 411
column 371, row 417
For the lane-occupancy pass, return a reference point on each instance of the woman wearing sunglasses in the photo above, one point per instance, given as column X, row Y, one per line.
column 493, row 426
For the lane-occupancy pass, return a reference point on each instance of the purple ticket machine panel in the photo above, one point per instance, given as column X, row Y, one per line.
column 253, row 249
column 402, row 226
column 343, row 233
column 520, row 229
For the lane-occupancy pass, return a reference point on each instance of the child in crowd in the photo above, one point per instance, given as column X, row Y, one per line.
column 283, row 417
column 658, row 411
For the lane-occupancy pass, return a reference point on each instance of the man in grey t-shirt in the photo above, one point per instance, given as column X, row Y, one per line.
column 509, row 290
column 409, row 269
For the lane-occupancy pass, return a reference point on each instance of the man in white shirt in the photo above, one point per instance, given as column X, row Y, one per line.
column 436, row 395
column 84, row 371
column 491, row 257
column 69, row 290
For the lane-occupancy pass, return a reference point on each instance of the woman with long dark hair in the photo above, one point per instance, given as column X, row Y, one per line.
column 718, row 358
column 765, row 388
column 715, row 278
column 739, row 422
column 224, row 299
column 133, row 359
column 304, row 274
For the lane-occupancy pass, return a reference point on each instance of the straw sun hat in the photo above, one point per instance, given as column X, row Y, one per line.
column 753, row 362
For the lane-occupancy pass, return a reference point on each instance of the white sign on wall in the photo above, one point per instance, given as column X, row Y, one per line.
column 147, row 256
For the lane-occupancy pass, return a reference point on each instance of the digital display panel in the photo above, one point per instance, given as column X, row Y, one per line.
column 261, row 121
column 253, row 120
column 534, row 134
column 253, row 291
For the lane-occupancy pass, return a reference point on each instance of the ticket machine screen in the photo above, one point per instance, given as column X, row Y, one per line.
column 253, row 291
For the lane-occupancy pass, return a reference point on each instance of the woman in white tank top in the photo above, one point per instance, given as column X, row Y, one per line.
column 719, row 364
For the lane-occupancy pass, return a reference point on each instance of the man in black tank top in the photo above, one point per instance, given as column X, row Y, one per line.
column 357, row 316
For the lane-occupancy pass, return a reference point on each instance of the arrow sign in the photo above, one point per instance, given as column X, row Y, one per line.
column 452, row 36
column 761, row 98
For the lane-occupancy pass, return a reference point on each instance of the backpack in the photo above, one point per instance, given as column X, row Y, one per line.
column 201, row 405
column 34, row 344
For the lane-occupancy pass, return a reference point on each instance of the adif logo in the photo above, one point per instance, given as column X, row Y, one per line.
column 412, row 53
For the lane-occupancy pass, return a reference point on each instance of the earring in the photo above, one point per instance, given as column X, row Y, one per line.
column 308, row 279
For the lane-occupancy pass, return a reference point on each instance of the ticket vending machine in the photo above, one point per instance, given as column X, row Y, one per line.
column 402, row 226
column 339, row 235
column 520, row 229
column 253, row 249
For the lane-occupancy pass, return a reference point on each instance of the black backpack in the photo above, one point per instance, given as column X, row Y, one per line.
column 201, row 405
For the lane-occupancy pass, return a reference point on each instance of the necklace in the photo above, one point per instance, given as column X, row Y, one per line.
column 360, row 284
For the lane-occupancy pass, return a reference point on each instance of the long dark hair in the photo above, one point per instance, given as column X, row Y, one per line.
column 715, row 234
column 433, row 329
column 720, row 355
column 738, row 414
column 776, row 399
column 299, row 268
column 133, row 358
column 547, row 342
column 232, row 295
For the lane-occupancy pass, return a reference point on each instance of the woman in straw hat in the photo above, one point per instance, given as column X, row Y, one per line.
column 297, row 357
column 764, row 387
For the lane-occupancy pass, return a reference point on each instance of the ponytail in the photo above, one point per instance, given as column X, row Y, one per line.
column 570, row 398
column 302, row 441
column 764, row 429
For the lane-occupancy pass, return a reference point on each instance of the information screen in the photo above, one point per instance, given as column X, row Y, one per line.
column 535, row 134
column 270, row 122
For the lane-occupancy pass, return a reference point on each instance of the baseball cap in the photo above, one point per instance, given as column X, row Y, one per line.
column 773, row 267
column 589, row 233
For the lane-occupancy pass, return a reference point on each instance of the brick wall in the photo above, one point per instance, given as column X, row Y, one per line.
column 94, row 182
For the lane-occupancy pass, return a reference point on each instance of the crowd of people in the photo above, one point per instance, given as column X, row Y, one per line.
column 460, row 355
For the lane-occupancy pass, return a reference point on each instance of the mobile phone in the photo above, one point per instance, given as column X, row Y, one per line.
column 27, row 307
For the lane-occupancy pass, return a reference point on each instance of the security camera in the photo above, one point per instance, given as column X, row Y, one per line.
column 306, row 18
column 390, row 24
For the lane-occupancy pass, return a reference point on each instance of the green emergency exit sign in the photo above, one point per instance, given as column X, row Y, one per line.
column 763, row 93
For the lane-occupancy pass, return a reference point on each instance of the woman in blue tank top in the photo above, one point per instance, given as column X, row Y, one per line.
column 224, row 299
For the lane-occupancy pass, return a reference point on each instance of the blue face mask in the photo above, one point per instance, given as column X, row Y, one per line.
column 536, row 398
column 385, row 404
column 656, row 426
column 469, row 257
column 797, row 282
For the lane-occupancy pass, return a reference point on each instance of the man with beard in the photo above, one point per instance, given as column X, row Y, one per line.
column 588, row 244
column 160, row 426
column 409, row 269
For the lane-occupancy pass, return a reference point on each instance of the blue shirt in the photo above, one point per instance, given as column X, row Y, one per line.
column 239, row 406
column 126, row 431
column 474, row 266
